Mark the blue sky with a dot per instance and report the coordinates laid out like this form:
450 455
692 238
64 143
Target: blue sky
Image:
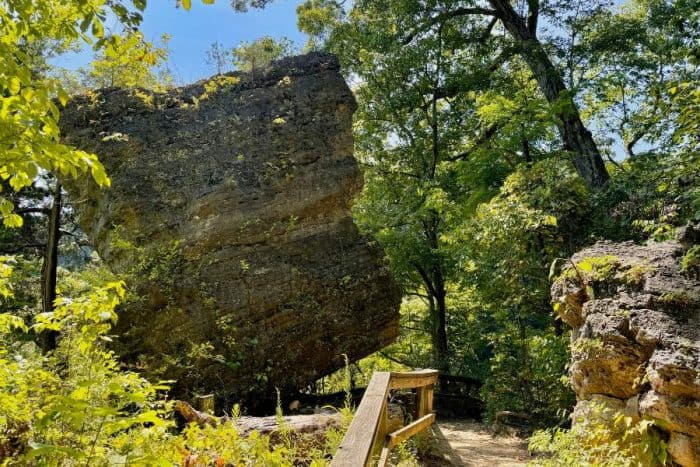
193 31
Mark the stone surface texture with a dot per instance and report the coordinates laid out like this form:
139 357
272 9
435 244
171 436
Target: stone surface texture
636 337
230 209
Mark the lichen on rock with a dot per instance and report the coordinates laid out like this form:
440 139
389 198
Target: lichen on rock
635 314
230 210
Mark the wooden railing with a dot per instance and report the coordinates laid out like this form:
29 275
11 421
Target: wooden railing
368 435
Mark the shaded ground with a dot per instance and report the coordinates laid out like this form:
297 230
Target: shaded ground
468 443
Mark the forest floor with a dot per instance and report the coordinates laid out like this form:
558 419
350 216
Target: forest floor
469 443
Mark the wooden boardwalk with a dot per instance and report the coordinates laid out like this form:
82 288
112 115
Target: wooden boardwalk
369 440
368 435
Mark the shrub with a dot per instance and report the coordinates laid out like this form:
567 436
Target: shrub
76 406
610 439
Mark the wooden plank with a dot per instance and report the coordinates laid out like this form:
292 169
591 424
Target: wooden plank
413 379
399 436
424 401
361 438
384 457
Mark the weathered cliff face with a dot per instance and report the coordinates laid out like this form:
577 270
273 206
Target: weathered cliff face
229 206
635 314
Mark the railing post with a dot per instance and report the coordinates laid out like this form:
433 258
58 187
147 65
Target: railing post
382 432
424 401
368 432
383 422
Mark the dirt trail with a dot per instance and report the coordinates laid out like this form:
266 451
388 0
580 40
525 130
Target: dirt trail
468 443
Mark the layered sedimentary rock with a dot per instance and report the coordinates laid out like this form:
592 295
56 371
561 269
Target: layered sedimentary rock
635 314
229 207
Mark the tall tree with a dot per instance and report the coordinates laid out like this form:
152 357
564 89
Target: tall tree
522 29
626 63
130 61
430 158
478 24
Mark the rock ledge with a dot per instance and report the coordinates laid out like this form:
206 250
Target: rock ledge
636 337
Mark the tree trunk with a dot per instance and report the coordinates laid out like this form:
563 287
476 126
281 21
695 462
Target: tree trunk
437 307
437 290
575 136
48 270
440 332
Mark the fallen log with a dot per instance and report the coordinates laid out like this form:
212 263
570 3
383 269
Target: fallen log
314 423
192 415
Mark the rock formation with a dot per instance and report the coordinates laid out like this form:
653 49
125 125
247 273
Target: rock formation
229 209
635 314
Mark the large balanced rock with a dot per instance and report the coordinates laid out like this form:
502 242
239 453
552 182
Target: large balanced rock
635 314
229 208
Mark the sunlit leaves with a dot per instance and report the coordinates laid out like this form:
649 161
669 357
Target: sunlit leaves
187 4
130 61
29 135
78 402
631 55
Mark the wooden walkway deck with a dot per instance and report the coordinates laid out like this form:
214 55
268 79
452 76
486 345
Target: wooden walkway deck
368 437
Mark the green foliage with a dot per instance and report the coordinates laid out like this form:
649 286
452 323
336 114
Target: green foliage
130 61
648 197
163 267
429 158
86 409
593 268
507 246
89 411
259 53
29 135
317 18
526 375
690 264
358 374
635 62
223 445
534 220
609 439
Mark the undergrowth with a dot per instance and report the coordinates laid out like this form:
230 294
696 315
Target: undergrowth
605 439
75 405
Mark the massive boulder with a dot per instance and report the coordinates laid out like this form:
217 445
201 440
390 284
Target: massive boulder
229 211
635 314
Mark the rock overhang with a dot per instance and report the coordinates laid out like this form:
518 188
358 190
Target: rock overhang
230 208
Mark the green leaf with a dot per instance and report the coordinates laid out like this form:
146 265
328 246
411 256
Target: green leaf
97 29
13 220
550 220
14 85
62 96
